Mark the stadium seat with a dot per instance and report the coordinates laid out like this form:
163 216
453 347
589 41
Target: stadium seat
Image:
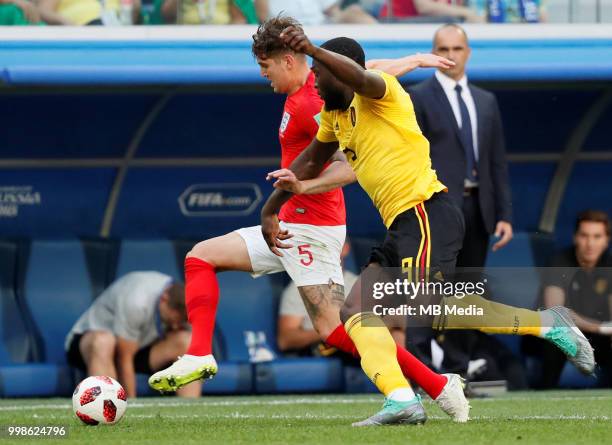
16 373
101 259
233 378
299 375
247 316
246 327
156 255
55 287
246 313
15 340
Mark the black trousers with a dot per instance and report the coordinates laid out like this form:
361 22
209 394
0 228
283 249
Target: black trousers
473 252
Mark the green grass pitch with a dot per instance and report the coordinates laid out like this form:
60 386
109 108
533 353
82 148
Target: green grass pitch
558 417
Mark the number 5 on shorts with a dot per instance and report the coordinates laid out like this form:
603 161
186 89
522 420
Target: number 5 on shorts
303 250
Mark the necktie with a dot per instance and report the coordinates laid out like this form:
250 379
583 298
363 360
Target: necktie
466 136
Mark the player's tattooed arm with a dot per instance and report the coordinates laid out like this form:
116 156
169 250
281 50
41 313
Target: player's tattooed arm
347 71
338 174
403 65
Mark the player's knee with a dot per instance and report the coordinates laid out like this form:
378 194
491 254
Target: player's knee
102 344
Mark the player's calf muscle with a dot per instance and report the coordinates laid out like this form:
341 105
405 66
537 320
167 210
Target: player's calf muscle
323 303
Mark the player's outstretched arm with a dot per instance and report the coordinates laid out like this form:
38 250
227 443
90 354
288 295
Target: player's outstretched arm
338 174
344 69
403 65
307 165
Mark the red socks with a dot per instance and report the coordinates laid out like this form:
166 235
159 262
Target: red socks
201 299
415 370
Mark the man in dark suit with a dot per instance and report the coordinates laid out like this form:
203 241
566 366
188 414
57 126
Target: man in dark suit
463 125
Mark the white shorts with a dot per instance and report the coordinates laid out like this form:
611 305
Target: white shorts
313 259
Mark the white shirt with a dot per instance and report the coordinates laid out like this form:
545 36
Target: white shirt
448 85
307 12
127 308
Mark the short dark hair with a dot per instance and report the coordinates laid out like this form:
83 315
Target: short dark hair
347 47
267 41
593 216
176 298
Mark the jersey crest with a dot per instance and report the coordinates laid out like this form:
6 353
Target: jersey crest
285 122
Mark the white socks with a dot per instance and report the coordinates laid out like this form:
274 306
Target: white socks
402 395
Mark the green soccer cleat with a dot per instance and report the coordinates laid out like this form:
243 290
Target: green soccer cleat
185 370
566 336
397 413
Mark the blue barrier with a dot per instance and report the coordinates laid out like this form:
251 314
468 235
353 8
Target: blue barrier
197 62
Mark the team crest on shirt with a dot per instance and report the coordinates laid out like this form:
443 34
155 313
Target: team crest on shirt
601 285
285 121
353 116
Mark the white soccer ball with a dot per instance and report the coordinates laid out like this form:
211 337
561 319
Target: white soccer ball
99 400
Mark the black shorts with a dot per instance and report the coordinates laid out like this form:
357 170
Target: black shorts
424 240
75 359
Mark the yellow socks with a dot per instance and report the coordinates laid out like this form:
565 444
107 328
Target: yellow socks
378 352
488 316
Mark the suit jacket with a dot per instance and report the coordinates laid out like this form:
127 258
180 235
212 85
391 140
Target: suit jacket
438 124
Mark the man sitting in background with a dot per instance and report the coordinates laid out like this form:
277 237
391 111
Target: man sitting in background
582 281
296 333
136 325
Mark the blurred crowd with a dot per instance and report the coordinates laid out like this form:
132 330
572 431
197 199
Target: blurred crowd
226 12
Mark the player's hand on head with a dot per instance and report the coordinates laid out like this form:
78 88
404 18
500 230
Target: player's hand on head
286 180
295 39
273 234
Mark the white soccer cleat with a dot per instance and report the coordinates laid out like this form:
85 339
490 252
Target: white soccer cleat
187 369
452 399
